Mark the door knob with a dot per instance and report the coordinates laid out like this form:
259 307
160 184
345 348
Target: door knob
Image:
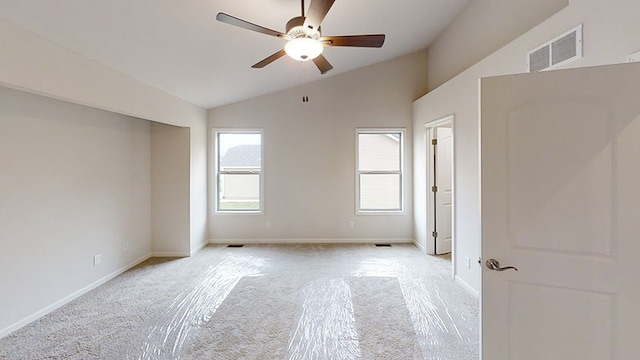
494 264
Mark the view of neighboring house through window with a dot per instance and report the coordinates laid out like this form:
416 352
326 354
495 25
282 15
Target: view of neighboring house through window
380 170
238 171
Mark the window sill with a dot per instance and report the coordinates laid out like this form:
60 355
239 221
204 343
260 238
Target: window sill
238 212
381 212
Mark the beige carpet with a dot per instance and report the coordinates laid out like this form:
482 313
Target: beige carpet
266 302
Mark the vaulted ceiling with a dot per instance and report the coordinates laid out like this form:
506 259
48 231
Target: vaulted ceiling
179 47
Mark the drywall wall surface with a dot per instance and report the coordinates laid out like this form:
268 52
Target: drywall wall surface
170 223
309 155
609 36
481 28
37 65
34 64
74 183
179 188
198 185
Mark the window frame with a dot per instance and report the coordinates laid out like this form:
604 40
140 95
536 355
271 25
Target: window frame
215 133
401 172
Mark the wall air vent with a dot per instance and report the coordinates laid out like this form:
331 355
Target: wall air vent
559 51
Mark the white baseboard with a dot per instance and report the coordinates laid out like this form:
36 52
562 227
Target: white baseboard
170 254
420 247
40 313
199 247
312 241
468 287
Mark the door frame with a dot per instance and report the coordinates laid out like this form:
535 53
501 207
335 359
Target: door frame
429 128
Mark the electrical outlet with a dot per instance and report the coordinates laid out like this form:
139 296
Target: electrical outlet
125 247
97 260
467 262
352 224
267 224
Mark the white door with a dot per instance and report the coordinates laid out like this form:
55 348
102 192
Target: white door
560 160
444 193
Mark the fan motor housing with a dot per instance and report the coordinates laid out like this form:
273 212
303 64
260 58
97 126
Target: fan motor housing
295 29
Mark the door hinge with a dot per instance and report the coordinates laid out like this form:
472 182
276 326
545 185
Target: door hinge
434 141
434 234
434 188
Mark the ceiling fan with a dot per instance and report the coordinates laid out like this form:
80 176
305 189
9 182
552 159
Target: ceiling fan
304 39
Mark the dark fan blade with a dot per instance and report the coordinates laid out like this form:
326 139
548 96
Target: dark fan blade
317 11
269 60
231 20
322 64
354 40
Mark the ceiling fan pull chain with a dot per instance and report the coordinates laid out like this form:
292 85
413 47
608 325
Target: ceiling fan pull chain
305 85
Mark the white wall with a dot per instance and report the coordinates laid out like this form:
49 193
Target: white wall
34 64
170 224
309 155
481 28
198 189
38 66
74 182
610 34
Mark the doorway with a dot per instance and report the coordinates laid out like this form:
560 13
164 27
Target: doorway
440 209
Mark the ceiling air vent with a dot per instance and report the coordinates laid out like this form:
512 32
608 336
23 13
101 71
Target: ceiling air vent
560 50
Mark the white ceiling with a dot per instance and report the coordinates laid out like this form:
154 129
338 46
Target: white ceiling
179 47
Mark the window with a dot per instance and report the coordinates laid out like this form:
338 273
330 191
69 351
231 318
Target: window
238 170
380 166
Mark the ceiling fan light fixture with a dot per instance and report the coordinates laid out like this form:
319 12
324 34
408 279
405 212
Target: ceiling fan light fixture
304 37
303 49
